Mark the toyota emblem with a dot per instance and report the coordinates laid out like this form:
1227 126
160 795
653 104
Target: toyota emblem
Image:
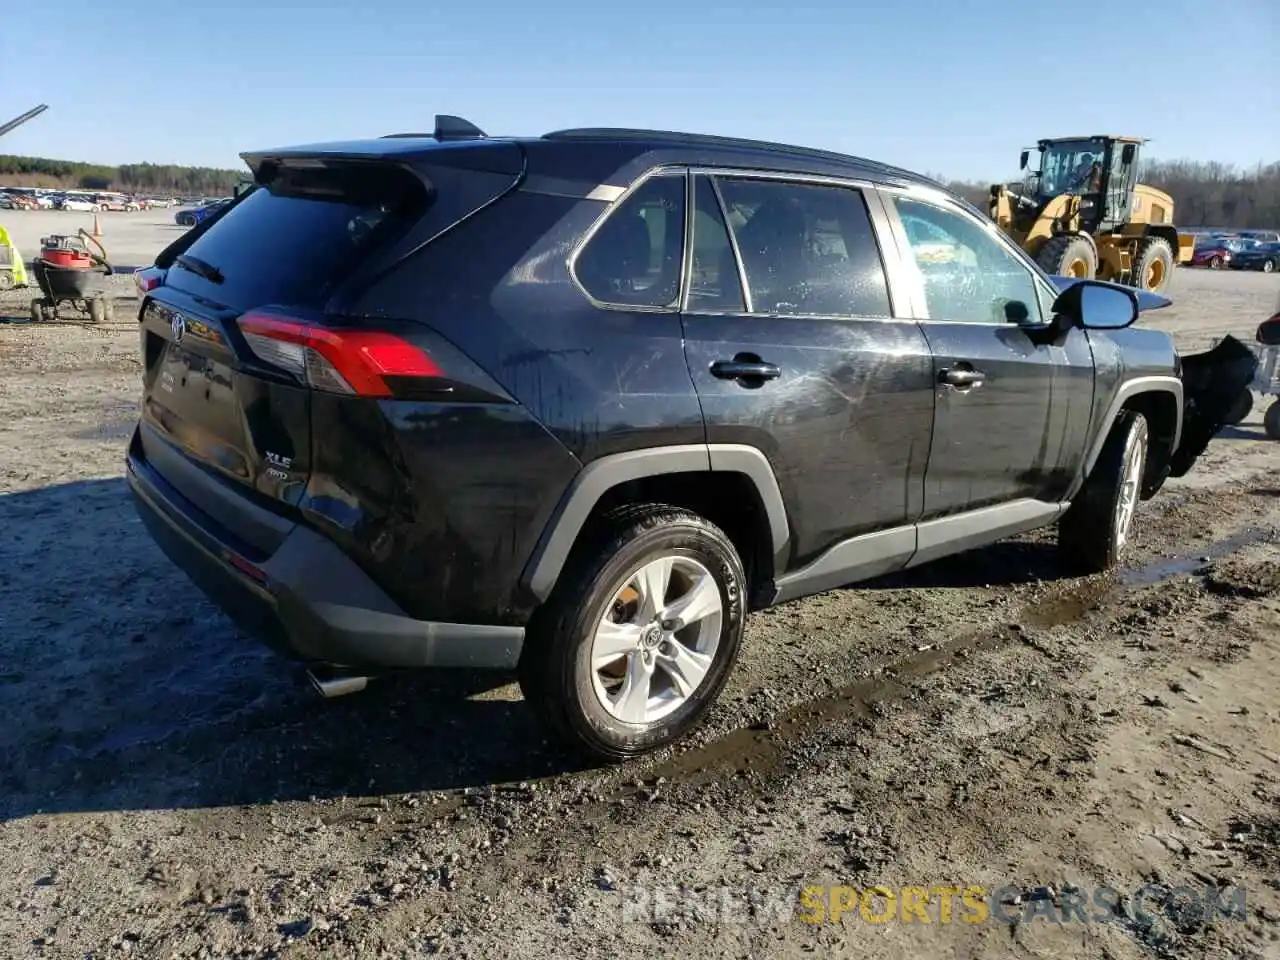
178 326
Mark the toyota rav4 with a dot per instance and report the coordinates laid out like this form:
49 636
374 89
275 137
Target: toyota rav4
576 404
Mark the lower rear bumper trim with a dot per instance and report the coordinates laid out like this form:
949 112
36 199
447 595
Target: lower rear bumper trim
316 604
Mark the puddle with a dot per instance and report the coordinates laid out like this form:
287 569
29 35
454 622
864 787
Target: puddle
1204 557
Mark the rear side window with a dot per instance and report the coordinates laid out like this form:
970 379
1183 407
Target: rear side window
293 241
635 256
807 250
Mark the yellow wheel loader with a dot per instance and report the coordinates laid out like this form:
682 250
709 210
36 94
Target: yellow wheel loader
1082 213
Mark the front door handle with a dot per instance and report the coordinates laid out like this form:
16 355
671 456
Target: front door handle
737 369
963 377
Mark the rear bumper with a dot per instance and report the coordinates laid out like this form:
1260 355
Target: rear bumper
307 600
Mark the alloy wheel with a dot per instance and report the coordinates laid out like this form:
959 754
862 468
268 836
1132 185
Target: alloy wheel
1135 458
657 640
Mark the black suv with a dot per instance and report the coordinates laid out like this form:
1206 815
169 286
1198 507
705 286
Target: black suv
578 403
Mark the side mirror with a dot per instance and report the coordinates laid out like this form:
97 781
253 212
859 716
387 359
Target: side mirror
1022 162
1127 153
1095 305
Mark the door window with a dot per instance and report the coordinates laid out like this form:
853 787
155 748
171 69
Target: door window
634 258
807 250
714 284
968 275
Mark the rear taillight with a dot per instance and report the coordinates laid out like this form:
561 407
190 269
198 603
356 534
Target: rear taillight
359 362
148 279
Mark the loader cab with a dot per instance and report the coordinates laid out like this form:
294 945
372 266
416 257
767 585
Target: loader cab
1100 170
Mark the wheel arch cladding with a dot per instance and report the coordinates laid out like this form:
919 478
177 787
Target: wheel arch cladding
700 477
1161 394
1161 409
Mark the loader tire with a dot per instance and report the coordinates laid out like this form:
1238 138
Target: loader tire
1069 255
1152 265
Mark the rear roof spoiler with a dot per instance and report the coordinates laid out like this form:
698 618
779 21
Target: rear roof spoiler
447 128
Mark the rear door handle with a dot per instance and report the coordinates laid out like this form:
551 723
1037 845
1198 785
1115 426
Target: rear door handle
745 370
963 377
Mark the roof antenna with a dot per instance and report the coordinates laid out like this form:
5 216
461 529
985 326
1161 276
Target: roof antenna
456 128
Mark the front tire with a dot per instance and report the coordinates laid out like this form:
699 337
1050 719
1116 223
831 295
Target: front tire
1093 533
640 634
1215 262
1240 409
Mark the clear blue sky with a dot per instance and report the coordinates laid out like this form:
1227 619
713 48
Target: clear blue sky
950 88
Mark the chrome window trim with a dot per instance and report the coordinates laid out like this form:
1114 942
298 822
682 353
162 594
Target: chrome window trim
571 262
942 200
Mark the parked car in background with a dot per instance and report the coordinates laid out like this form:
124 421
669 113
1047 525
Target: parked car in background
1263 236
1257 256
121 204
78 203
1211 252
190 217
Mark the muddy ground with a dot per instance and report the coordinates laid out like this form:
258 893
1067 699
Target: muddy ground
168 789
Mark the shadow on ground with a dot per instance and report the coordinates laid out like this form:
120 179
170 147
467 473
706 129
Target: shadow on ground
122 688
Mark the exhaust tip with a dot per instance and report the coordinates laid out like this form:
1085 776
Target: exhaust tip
338 685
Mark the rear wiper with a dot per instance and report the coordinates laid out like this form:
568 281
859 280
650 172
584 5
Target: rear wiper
200 268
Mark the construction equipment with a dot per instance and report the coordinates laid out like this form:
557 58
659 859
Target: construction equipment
1081 213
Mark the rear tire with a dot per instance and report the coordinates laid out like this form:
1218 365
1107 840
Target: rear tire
1152 265
1240 409
1069 255
607 604
97 311
1093 533
1271 421
1268 266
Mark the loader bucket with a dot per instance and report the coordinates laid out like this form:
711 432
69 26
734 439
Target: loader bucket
1212 383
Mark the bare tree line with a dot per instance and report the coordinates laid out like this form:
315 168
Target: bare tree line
1205 193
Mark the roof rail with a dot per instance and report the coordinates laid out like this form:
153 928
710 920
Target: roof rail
447 128
629 133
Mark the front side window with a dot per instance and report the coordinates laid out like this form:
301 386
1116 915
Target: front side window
807 250
635 257
968 275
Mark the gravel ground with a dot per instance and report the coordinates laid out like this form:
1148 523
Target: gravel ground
167 789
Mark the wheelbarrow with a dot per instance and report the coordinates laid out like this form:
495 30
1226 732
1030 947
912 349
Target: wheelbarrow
69 272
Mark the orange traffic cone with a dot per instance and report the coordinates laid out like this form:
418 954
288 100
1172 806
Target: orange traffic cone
97 230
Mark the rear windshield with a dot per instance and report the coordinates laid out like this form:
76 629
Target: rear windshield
293 240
